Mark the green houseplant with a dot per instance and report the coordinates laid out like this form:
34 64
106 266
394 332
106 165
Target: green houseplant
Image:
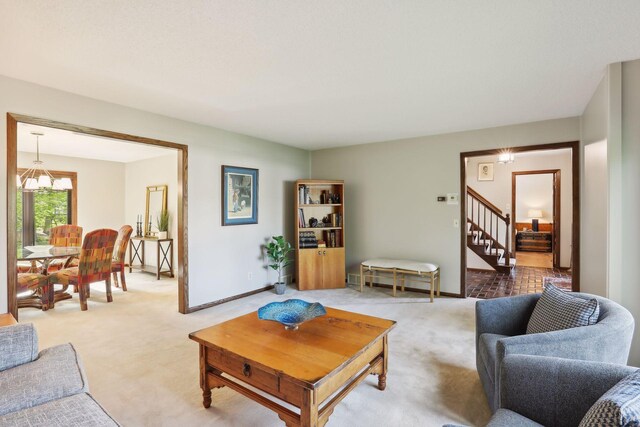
278 251
163 224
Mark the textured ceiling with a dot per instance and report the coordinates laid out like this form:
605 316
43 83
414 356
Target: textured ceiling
325 73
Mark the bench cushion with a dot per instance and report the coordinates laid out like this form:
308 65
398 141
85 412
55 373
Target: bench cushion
401 264
74 411
56 373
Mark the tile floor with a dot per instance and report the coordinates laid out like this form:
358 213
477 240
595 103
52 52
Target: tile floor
523 280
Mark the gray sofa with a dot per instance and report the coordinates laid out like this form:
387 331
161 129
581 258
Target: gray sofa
501 324
48 388
550 391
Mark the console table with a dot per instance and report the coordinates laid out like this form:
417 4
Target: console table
534 241
164 256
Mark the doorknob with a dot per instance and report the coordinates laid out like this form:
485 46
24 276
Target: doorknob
319 253
324 252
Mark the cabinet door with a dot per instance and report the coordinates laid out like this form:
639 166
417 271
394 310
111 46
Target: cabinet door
310 269
333 267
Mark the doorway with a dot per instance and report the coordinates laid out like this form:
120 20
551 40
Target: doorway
536 207
12 144
495 279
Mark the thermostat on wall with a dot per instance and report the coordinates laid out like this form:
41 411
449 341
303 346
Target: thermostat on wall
452 198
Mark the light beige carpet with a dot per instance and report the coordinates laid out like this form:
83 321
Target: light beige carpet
144 370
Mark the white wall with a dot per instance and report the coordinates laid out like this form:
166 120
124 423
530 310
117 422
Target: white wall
100 188
391 190
534 192
611 138
219 257
594 129
630 249
498 192
156 171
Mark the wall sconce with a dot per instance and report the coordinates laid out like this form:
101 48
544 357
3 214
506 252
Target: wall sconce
534 214
506 157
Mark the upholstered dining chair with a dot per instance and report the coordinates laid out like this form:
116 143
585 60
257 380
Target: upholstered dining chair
94 265
62 236
41 292
118 263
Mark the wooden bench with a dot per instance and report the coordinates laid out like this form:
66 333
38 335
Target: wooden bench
422 272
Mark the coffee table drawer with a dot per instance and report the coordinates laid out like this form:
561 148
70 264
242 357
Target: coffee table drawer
243 370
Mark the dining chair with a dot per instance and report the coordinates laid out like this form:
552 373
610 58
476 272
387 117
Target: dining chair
41 291
118 263
94 265
62 236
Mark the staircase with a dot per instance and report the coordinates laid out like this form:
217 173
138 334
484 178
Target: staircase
485 225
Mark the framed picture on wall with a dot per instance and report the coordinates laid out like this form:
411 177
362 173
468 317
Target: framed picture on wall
485 171
239 195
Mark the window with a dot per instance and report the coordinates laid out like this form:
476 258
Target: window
39 211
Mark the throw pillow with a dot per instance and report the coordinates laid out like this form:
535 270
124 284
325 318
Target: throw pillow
556 310
620 406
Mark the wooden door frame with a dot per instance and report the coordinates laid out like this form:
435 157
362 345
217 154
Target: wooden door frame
12 158
555 173
574 146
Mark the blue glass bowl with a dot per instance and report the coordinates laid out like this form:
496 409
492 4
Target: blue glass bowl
292 312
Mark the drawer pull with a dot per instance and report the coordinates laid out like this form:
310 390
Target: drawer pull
246 370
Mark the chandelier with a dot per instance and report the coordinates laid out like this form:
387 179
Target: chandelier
38 177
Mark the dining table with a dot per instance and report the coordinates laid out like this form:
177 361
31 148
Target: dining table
40 258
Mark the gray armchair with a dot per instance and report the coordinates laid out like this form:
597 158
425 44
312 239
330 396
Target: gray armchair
550 391
43 388
501 324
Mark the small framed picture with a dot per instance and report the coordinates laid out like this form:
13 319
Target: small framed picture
239 195
485 171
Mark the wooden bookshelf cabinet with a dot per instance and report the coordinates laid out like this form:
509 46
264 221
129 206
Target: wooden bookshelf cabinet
319 267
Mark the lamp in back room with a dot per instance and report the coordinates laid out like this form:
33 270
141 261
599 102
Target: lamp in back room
534 214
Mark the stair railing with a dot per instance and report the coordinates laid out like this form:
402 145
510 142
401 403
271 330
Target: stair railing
481 212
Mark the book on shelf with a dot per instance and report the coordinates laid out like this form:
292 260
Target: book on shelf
322 244
307 239
301 221
301 195
333 238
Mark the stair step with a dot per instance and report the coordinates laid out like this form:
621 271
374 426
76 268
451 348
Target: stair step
512 262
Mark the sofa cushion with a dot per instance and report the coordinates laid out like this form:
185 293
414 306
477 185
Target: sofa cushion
488 352
619 406
56 373
556 310
19 344
507 418
77 410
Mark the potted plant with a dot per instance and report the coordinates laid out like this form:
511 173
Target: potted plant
278 252
163 224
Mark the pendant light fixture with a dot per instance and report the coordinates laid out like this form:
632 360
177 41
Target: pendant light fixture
38 177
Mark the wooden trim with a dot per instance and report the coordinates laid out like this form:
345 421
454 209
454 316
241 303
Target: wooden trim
231 298
574 146
463 226
12 256
96 132
12 144
555 173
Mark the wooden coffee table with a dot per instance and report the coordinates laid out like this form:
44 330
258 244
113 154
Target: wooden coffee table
328 354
